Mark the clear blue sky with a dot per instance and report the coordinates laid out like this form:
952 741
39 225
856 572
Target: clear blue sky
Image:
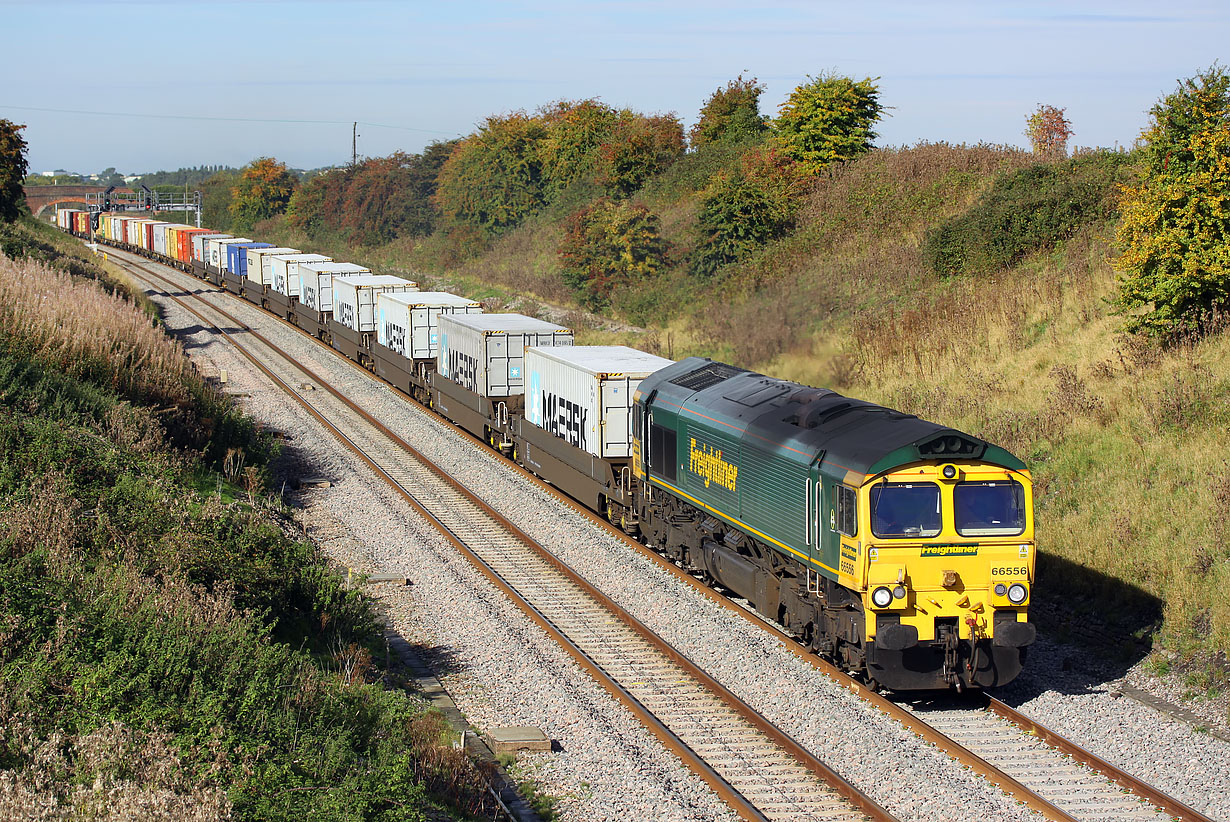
963 72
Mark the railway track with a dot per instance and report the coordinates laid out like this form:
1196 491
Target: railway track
753 766
1040 768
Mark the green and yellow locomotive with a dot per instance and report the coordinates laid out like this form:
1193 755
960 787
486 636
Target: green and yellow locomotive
899 548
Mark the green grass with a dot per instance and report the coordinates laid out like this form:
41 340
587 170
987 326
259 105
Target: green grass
160 637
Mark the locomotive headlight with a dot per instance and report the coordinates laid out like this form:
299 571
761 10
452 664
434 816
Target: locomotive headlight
1000 589
950 471
1017 593
881 597
899 592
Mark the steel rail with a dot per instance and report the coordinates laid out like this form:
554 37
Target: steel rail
728 793
1167 803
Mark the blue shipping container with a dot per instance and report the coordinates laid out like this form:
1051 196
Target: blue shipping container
237 257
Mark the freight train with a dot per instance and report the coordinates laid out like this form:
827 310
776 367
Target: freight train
901 549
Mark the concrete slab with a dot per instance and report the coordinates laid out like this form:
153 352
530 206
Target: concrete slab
517 738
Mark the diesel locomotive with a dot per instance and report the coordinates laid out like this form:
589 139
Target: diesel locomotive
901 549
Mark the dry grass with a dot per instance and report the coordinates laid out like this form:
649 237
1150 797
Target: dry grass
113 773
78 329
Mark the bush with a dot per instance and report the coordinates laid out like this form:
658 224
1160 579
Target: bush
1029 210
574 133
608 246
493 180
1175 264
732 114
639 148
745 207
827 120
373 202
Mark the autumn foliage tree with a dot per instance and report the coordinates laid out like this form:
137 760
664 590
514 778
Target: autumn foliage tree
375 201
745 207
264 190
575 131
1175 262
12 170
494 179
828 119
640 146
1048 131
609 245
731 113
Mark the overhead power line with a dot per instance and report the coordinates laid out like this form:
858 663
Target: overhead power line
220 119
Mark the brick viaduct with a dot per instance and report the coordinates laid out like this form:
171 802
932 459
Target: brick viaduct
40 198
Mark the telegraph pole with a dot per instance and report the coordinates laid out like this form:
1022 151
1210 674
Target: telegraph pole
354 145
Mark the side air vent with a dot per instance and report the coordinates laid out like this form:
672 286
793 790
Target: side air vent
710 375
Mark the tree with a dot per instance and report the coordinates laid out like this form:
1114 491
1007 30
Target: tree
12 170
264 190
828 119
493 179
216 199
1175 262
731 113
610 245
639 148
1048 131
746 207
574 133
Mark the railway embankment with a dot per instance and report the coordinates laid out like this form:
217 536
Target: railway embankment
166 650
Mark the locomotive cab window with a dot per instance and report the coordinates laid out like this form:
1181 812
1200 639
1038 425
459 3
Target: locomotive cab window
847 511
905 509
989 509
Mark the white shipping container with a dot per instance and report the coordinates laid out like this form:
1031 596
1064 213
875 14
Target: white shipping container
258 268
486 352
354 298
285 271
217 251
316 282
409 323
160 237
147 239
200 245
583 394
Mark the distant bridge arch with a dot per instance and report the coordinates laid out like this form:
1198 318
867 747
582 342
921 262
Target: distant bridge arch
41 198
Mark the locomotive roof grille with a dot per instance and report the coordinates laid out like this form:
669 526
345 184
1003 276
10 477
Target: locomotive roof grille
710 375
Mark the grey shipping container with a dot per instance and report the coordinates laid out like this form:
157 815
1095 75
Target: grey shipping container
583 394
408 323
285 271
257 269
485 353
316 282
200 245
354 298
